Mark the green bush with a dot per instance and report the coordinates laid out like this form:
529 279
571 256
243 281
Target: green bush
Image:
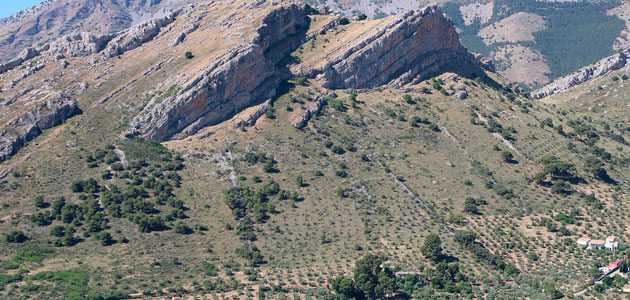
15 236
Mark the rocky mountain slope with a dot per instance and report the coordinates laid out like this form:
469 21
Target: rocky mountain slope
599 69
528 41
249 149
52 19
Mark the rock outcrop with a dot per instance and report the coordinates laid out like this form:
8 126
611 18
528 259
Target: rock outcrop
242 77
137 35
26 127
252 118
311 111
410 48
52 19
601 68
32 70
25 55
413 46
79 44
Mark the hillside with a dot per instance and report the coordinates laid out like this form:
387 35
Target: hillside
251 150
530 42
53 19
534 42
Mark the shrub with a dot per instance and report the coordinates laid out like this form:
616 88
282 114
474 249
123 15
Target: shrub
39 202
15 236
301 80
182 228
58 231
105 238
189 55
209 269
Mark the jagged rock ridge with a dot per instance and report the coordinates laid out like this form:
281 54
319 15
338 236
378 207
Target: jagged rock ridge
234 81
86 44
414 45
410 48
52 19
26 127
601 68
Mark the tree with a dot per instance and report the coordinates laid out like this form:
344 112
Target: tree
105 238
58 231
361 17
366 273
471 208
465 237
596 167
561 187
507 156
432 248
39 202
540 178
551 291
182 228
270 166
619 281
15 236
344 285
189 55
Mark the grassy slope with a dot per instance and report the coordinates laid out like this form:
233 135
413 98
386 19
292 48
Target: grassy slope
377 216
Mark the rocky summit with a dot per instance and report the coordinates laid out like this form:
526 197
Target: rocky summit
255 149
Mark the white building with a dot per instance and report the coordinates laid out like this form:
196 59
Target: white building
611 243
583 241
596 244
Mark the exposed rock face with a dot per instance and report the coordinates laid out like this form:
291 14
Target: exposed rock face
311 111
79 44
410 48
236 80
26 74
414 46
251 119
23 129
135 36
601 68
182 36
25 55
53 19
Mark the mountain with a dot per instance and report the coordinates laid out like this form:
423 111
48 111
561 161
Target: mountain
530 42
53 19
250 149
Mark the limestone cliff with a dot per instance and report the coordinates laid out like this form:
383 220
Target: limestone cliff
26 127
413 46
243 76
409 47
601 68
